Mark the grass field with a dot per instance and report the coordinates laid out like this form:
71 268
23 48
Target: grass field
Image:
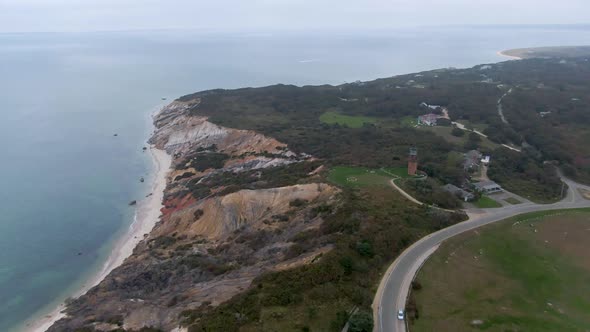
484 202
409 121
361 176
528 273
357 176
346 120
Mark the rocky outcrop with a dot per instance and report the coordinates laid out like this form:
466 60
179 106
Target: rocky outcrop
178 133
208 248
220 216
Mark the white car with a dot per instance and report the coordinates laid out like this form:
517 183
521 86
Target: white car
400 315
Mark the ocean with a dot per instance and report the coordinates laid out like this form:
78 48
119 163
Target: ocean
67 179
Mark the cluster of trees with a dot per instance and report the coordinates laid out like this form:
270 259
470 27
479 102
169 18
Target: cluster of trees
526 175
429 191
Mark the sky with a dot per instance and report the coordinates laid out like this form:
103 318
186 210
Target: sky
256 15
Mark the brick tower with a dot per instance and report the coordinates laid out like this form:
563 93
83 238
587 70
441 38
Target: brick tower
413 161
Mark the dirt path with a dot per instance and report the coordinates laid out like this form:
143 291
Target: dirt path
408 196
500 111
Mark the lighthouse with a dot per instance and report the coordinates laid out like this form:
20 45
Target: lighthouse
413 161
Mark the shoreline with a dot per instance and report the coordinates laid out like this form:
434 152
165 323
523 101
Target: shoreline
147 214
513 57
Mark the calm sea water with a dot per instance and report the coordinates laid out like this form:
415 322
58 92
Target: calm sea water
66 180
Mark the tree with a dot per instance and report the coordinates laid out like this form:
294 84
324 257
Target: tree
457 132
364 248
361 321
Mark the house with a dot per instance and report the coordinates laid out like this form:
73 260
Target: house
485 160
463 194
471 161
428 119
487 187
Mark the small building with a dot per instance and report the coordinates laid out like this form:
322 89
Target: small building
428 119
472 159
487 187
485 160
462 194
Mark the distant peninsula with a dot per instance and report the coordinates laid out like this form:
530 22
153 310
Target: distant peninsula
547 52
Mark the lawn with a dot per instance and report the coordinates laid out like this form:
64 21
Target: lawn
527 273
512 200
357 176
346 120
484 202
409 121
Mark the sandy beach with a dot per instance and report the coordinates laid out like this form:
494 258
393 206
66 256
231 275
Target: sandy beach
146 216
501 53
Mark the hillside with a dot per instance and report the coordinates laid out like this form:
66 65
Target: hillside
254 234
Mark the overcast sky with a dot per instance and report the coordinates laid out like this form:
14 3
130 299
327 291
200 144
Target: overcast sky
233 15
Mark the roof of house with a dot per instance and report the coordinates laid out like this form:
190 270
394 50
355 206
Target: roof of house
429 115
486 185
454 190
473 154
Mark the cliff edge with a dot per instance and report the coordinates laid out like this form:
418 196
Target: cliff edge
234 203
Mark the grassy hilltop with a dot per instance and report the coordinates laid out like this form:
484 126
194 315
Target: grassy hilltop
528 273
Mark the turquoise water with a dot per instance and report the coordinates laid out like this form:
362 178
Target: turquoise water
66 180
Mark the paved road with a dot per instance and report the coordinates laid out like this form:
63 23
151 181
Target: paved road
393 290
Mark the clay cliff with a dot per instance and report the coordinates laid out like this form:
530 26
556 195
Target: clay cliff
234 203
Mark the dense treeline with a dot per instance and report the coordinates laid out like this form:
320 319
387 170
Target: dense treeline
521 173
291 114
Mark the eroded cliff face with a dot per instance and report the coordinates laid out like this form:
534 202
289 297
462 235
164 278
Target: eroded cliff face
234 204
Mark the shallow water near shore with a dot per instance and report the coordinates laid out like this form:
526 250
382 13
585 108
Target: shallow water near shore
67 180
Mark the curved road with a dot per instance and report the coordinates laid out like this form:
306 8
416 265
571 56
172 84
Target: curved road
394 287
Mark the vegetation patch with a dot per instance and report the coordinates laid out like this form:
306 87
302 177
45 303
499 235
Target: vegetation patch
484 202
527 273
346 120
513 201
369 229
526 175
429 191
409 121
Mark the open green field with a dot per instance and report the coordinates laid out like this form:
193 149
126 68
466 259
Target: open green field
409 121
357 176
484 202
527 273
346 120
